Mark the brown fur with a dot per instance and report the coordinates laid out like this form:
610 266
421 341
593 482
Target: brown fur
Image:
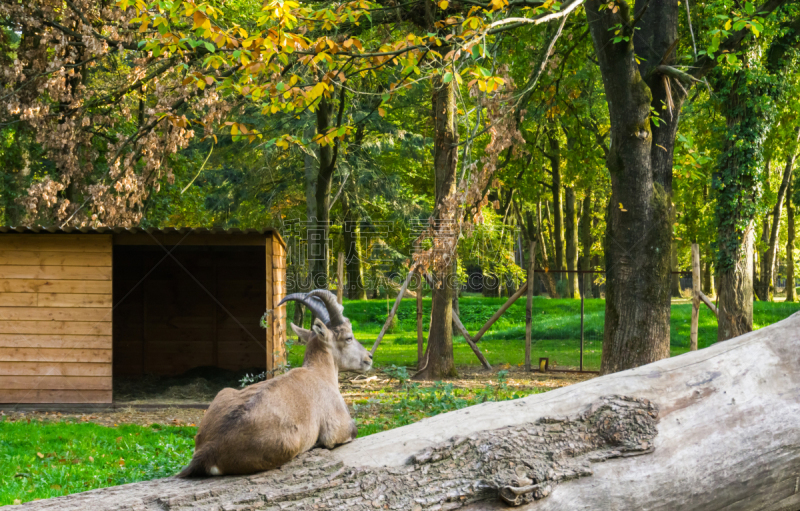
264 425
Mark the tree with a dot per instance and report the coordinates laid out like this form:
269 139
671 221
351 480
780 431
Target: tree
439 353
636 53
791 294
749 95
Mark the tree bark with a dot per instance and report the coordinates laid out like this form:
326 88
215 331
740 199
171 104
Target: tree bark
737 179
791 294
586 241
546 277
675 278
303 267
439 354
760 284
350 234
735 292
709 430
708 277
318 229
772 249
638 232
558 216
573 287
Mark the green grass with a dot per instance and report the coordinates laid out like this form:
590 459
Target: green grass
556 329
391 408
40 460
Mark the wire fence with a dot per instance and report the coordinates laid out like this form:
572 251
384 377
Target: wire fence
567 326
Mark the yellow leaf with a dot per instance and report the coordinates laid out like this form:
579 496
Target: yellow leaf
728 25
198 18
40 455
443 4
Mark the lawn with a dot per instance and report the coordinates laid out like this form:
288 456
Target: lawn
555 331
48 459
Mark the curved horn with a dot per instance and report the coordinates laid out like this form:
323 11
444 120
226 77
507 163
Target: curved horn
334 309
314 304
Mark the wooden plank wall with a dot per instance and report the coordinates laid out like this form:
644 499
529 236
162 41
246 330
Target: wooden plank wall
55 318
276 262
202 310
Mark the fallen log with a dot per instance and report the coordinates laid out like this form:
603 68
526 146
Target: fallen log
712 429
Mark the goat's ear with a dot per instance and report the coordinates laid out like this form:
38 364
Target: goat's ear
320 329
303 334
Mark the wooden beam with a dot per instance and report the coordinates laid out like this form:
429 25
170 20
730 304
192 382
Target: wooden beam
393 311
463 331
521 291
706 300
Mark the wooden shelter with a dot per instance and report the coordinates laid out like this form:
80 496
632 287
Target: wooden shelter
80 306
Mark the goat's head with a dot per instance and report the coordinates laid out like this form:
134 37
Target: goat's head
332 330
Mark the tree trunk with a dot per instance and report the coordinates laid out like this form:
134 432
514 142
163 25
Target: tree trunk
772 249
675 278
573 288
350 234
546 277
739 174
791 295
638 228
303 267
439 355
318 234
586 241
760 284
708 278
558 219
737 179
709 430
735 292
551 265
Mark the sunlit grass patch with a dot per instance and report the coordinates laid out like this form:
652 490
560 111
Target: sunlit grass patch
40 460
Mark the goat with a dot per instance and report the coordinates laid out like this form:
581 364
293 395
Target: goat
266 424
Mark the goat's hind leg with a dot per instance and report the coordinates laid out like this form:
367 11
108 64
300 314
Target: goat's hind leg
338 433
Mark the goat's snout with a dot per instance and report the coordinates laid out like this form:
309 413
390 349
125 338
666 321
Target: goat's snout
367 362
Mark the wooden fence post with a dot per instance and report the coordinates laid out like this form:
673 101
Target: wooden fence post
420 340
340 276
695 296
529 306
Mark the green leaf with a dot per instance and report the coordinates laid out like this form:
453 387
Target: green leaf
448 77
209 46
